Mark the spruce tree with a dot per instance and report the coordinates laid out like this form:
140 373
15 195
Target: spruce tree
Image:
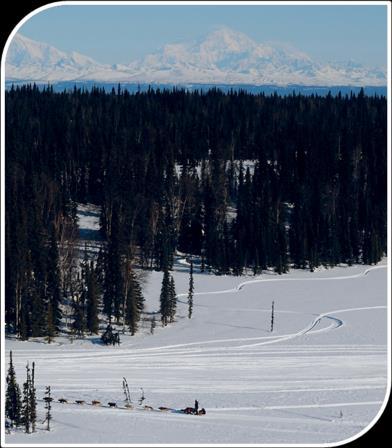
24 321
33 400
53 289
134 303
26 402
100 266
50 328
281 265
172 299
92 301
13 404
190 292
36 317
165 298
79 311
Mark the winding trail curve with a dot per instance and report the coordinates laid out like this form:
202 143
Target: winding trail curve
264 340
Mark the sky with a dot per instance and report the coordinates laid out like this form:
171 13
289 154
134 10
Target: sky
119 34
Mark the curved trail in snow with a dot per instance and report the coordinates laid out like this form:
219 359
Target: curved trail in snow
241 285
335 322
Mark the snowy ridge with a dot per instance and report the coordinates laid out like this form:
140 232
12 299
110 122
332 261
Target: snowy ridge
224 56
30 60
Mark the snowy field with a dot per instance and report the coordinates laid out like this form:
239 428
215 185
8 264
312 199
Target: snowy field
319 377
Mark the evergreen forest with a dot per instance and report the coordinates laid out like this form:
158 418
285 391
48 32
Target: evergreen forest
243 182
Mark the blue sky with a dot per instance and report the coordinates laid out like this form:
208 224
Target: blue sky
119 34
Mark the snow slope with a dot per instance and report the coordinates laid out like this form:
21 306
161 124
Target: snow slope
321 376
223 56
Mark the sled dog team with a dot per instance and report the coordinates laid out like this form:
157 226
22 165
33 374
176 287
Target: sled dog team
188 410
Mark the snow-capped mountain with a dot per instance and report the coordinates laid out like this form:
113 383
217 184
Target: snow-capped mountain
29 60
222 57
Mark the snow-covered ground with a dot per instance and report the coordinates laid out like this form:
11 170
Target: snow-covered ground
320 376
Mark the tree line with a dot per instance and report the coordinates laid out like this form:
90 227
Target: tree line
240 181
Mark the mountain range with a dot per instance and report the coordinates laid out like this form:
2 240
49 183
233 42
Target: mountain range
224 56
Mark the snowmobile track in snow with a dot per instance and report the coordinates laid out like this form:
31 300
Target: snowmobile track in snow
278 338
241 285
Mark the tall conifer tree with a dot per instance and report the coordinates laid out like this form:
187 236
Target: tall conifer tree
13 404
92 322
172 299
165 298
26 402
134 303
53 289
190 291
33 399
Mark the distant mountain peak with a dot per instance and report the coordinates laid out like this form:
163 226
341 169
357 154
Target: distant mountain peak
223 56
228 39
